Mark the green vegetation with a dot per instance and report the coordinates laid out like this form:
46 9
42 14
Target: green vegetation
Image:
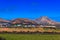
31 36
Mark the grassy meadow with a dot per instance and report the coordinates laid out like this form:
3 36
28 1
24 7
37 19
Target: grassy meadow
31 36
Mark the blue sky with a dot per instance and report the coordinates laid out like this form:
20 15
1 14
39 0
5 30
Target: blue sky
10 9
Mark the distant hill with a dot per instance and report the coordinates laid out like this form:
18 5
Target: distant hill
23 21
3 20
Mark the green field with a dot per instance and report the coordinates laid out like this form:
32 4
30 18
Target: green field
31 36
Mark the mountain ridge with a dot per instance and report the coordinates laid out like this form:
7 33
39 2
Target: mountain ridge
41 20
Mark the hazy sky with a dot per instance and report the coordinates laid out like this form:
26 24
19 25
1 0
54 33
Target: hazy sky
10 9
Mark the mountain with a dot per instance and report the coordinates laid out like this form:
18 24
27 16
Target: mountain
46 21
3 20
22 21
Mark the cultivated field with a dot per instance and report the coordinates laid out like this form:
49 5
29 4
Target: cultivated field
31 36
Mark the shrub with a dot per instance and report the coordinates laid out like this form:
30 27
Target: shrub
2 38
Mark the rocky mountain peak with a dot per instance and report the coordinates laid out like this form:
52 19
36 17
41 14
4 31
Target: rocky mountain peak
45 20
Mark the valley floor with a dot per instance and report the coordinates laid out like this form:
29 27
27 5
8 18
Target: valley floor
31 36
